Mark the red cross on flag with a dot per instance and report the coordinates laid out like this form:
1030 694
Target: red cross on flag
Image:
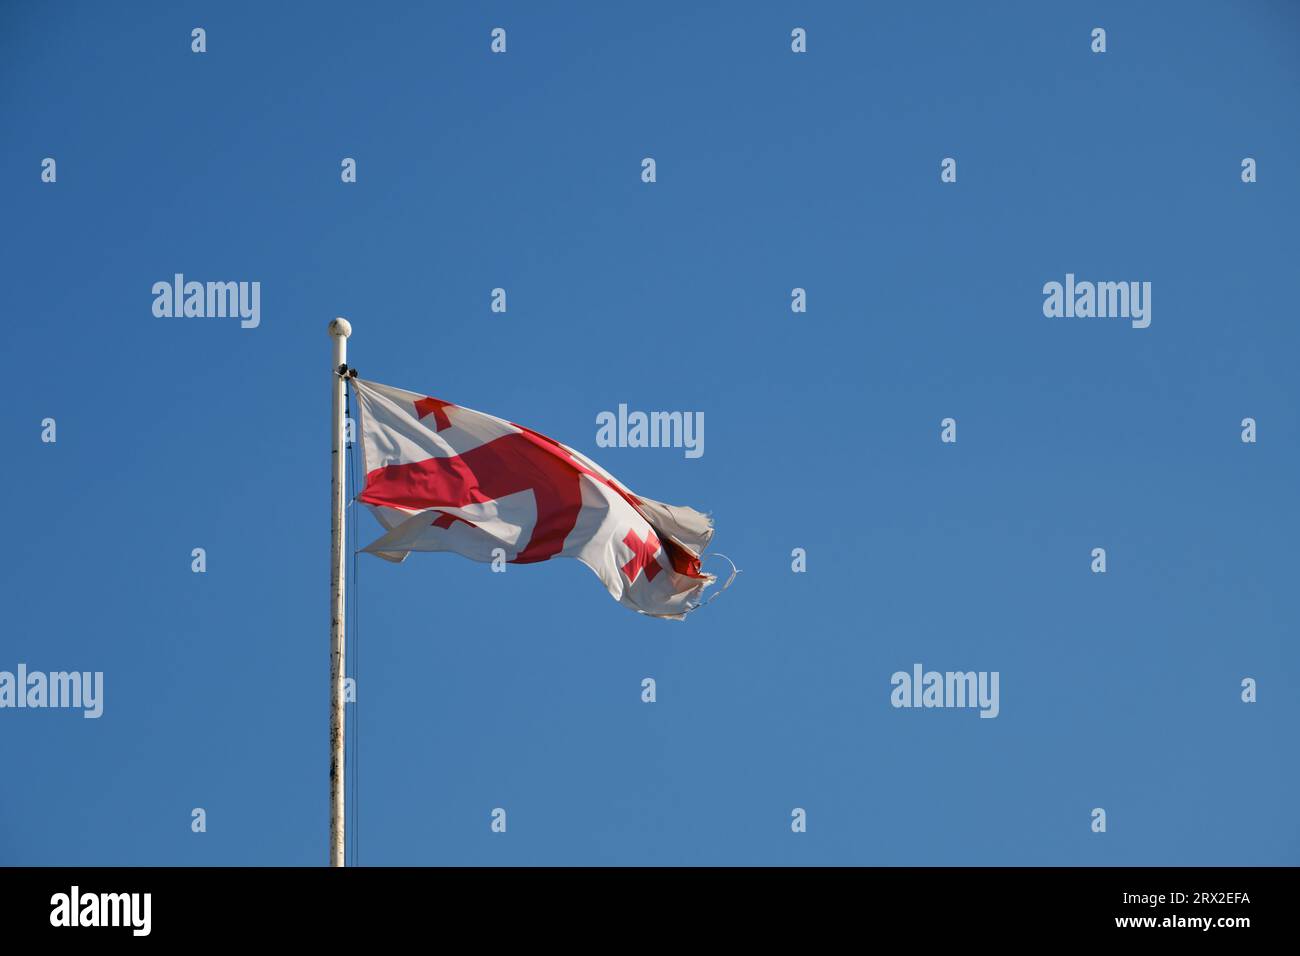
440 477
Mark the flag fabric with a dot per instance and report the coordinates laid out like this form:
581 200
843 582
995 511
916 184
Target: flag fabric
440 477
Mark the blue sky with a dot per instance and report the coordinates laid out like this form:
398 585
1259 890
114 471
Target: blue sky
775 170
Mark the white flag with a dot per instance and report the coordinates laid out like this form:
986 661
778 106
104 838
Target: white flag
441 477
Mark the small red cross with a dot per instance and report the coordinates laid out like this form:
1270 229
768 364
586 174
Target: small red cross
435 407
643 556
445 520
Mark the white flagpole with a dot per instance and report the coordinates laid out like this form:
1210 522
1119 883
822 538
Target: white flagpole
340 329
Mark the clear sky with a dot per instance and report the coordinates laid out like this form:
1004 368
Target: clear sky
775 170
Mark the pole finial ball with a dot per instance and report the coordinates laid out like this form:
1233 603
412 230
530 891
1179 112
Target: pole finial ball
340 328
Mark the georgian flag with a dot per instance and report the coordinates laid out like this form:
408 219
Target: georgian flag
440 477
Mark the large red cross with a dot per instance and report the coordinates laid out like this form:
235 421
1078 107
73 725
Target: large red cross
525 461
504 466
643 556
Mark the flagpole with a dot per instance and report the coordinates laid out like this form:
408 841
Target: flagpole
339 329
